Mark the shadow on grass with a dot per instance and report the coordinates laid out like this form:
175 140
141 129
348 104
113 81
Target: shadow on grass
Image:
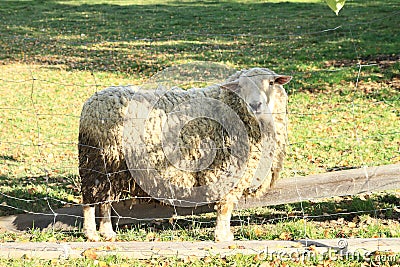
141 39
9 158
38 202
381 205
34 194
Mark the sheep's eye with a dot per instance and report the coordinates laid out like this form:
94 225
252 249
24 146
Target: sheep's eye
271 83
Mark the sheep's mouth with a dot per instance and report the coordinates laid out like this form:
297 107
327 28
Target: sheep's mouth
255 111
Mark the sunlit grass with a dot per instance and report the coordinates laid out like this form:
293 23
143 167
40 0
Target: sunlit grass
56 54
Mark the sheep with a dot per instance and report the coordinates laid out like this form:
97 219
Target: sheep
119 158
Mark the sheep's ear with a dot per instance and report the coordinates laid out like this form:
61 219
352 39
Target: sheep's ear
282 79
233 86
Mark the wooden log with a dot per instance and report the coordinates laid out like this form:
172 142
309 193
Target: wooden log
331 184
147 250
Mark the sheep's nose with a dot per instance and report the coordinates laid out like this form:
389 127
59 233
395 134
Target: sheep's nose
256 106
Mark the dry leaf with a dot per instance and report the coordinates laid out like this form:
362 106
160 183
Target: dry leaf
102 264
207 259
90 253
190 259
312 248
352 224
326 233
26 257
258 257
297 245
285 236
258 231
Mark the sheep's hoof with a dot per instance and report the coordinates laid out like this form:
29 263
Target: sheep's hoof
226 237
92 236
109 236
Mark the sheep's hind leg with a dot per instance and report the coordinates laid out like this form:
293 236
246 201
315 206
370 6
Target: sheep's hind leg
106 229
89 223
223 227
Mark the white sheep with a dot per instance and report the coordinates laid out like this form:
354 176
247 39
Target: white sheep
208 160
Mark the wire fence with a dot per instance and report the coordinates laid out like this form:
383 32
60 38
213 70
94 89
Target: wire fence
343 111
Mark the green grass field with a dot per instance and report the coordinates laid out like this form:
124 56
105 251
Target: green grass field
343 100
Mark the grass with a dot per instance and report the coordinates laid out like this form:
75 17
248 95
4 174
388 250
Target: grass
55 54
237 260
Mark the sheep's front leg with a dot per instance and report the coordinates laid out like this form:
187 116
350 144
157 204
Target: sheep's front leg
223 227
105 228
89 223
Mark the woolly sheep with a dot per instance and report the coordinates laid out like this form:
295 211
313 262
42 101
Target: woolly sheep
110 169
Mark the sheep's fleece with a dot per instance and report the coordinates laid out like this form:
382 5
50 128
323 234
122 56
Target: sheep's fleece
182 147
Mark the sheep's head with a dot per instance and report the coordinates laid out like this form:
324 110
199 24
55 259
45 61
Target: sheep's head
255 87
